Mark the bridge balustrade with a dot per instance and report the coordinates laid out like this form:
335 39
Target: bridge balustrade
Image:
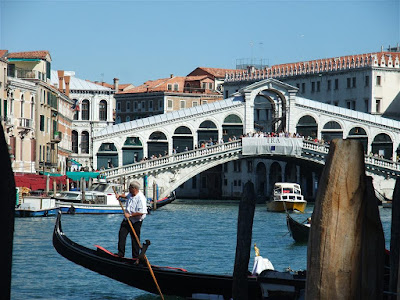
310 150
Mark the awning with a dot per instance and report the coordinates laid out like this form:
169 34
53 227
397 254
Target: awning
78 175
74 162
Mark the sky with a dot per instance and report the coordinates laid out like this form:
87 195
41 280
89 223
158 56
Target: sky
137 41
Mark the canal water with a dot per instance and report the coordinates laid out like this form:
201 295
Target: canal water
196 235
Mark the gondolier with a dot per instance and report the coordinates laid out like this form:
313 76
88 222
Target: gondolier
136 211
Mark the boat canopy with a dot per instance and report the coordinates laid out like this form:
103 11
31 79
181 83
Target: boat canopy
78 175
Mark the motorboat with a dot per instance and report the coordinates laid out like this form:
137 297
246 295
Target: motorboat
100 199
32 206
286 197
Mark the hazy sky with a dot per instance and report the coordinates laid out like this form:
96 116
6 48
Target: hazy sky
137 41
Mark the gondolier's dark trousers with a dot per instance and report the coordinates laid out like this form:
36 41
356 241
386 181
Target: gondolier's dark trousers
123 232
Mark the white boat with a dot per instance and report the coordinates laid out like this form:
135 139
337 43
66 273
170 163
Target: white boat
286 197
32 206
100 199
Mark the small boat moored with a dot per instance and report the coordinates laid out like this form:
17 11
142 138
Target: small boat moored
32 206
286 197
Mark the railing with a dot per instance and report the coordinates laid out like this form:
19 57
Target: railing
173 160
26 123
311 151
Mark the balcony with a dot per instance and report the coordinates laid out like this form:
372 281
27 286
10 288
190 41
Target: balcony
56 138
25 74
25 123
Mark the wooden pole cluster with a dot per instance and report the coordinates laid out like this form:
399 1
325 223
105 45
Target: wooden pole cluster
243 245
345 257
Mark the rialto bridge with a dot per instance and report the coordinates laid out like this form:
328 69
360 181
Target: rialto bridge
172 148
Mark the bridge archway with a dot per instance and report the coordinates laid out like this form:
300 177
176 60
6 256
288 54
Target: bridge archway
132 150
382 145
207 132
261 179
359 133
307 126
331 130
270 111
157 144
107 156
232 126
182 139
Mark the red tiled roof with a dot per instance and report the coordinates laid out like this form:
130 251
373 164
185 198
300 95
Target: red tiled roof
3 53
216 72
29 54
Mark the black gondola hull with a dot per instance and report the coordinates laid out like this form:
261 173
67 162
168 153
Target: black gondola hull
298 231
172 281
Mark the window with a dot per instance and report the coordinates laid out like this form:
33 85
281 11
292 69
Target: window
336 103
170 104
366 105
329 85
318 86
226 94
182 104
378 80
336 84
169 87
203 85
143 106
128 106
41 122
237 166
348 83
377 105
85 142
85 110
313 86
118 106
151 105
210 86
160 104
205 101
22 106
74 141
298 85
303 87
176 87
195 103
354 82
367 80
135 105
103 110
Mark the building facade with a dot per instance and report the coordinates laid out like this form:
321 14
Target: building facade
92 108
366 82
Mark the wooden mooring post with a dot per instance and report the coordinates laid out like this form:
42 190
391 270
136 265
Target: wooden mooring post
243 244
394 286
345 256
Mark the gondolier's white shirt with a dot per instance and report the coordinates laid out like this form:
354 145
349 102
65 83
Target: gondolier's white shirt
136 203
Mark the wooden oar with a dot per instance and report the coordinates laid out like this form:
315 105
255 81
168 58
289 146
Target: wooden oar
140 245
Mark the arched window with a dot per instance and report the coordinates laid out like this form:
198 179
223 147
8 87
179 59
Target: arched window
103 110
74 141
85 142
85 109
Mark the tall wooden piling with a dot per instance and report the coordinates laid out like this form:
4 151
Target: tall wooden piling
243 244
345 231
7 186
395 240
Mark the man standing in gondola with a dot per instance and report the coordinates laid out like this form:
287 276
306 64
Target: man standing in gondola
135 211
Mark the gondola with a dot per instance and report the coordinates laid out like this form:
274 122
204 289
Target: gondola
298 231
174 281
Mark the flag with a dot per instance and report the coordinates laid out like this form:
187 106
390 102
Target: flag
75 106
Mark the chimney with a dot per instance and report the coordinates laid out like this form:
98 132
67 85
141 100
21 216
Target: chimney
67 79
116 81
171 75
60 80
